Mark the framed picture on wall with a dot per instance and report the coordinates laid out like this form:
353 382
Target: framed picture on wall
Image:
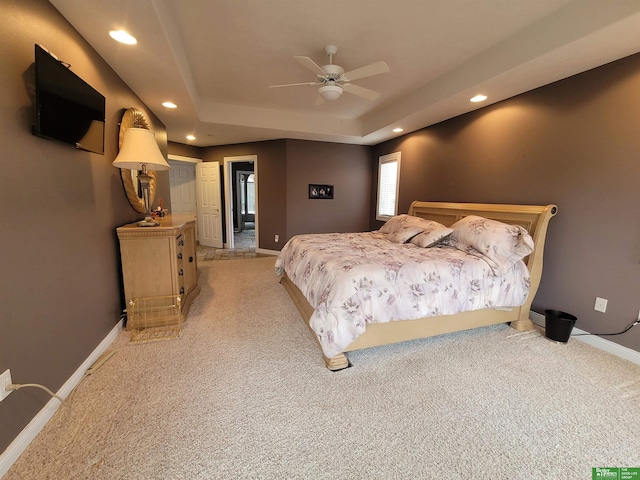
320 191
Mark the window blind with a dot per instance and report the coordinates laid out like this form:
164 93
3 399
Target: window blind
388 188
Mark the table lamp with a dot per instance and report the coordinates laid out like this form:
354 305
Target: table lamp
140 151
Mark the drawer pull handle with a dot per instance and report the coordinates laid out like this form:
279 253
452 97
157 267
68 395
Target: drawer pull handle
190 259
182 291
181 272
180 256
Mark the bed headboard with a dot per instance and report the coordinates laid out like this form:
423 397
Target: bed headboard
534 218
531 217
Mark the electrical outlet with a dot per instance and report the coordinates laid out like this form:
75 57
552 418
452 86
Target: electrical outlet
5 379
276 238
601 304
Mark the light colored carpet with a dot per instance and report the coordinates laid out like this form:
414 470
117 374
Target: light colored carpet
244 394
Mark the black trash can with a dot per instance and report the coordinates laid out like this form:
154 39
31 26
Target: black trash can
558 325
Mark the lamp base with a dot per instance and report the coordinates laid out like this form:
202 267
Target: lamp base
145 180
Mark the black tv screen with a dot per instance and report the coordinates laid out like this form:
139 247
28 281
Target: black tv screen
67 108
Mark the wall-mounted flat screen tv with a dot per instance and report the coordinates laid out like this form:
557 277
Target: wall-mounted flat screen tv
68 109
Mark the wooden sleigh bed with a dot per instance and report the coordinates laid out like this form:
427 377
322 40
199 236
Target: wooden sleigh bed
534 219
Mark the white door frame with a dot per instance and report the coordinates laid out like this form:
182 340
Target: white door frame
228 199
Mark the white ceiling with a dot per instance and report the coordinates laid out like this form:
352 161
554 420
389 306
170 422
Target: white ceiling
217 58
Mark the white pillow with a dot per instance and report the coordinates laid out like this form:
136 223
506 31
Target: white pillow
501 245
422 232
404 233
432 234
394 223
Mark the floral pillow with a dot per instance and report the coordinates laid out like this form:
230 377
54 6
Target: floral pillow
394 223
404 233
402 228
432 233
500 244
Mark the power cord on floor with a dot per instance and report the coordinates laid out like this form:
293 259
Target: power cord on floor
609 334
18 386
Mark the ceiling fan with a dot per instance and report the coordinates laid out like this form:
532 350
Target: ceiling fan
333 80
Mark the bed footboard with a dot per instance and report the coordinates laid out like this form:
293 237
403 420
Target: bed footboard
399 331
340 361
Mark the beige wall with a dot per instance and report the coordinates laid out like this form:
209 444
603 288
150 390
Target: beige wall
60 292
575 143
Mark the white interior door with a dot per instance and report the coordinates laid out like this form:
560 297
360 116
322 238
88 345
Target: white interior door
208 193
182 177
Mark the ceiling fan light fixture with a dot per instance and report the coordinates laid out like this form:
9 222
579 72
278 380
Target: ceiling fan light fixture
331 78
330 92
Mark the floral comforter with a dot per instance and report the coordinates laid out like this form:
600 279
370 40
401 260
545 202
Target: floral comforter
352 279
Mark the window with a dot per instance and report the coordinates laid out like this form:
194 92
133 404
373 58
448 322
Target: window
388 179
251 194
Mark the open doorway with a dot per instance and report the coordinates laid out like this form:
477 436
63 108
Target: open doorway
241 201
244 227
245 200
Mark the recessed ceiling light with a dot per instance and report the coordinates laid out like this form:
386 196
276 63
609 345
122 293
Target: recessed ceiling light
478 98
169 105
123 37
191 137
397 130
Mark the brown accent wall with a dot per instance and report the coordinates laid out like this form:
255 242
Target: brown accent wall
347 168
183 150
60 291
285 169
272 178
574 143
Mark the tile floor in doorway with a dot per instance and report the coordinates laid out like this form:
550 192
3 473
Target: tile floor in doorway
245 247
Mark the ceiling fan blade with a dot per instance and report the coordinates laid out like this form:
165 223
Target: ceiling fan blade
311 65
368 71
295 84
360 91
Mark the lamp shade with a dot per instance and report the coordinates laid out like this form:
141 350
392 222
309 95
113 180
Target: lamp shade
139 147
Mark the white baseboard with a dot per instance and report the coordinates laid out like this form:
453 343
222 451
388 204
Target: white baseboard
268 252
595 341
24 438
